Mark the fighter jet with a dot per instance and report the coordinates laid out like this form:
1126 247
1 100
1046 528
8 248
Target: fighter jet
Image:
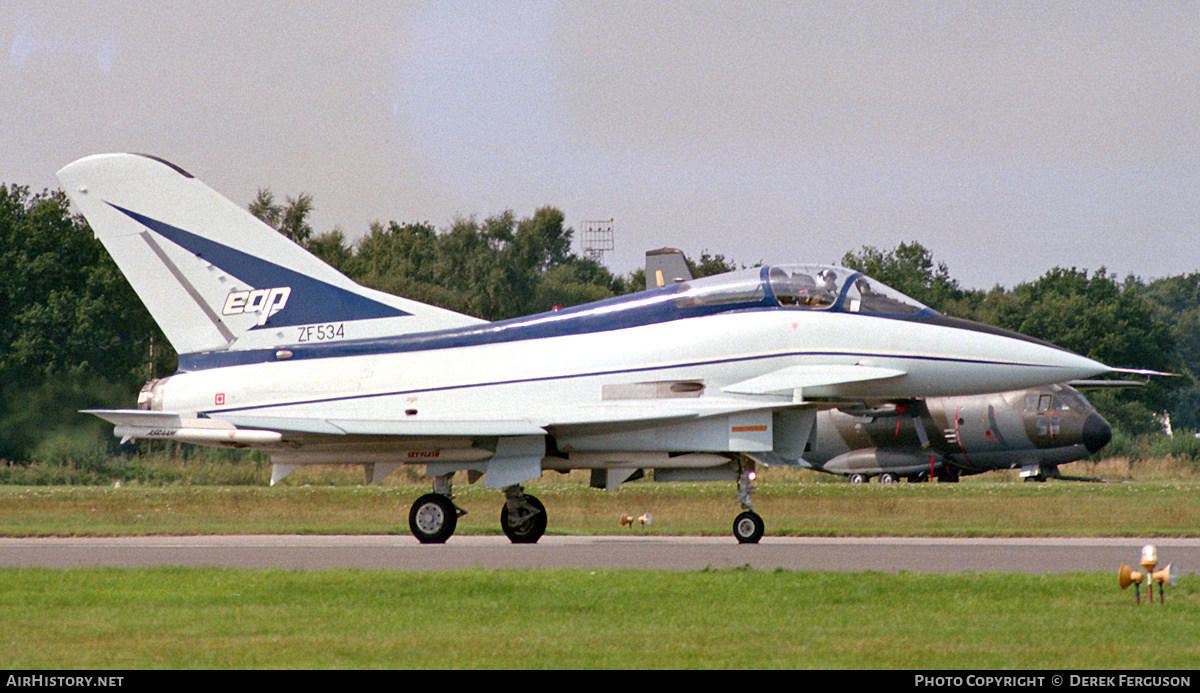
280 352
1033 430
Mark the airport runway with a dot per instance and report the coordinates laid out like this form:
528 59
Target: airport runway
887 554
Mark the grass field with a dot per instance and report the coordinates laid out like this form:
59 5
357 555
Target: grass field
567 619
177 618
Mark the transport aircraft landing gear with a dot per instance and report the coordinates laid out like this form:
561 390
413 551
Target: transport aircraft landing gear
748 528
1038 474
523 517
434 517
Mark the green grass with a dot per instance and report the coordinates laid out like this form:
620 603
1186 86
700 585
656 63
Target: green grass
206 618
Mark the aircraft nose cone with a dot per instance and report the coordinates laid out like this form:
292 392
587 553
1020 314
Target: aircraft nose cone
1096 432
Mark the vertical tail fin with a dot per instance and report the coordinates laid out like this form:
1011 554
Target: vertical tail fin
666 266
213 276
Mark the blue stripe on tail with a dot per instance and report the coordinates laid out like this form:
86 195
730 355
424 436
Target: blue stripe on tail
309 302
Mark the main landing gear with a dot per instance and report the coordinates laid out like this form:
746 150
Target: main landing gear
523 517
434 517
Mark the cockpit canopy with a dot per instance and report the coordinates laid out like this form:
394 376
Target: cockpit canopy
806 287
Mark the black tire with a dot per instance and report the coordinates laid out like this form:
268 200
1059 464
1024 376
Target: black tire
857 478
888 478
432 519
748 528
530 529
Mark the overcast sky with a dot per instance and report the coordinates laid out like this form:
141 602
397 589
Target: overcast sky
1007 137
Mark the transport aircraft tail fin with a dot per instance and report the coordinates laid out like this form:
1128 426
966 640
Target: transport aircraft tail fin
666 266
215 277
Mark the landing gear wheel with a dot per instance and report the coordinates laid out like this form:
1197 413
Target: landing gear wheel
748 527
432 519
529 525
888 478
858 478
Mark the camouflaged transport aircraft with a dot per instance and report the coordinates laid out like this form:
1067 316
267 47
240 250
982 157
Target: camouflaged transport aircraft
1033 430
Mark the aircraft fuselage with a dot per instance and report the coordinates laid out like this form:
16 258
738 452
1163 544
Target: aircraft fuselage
539 369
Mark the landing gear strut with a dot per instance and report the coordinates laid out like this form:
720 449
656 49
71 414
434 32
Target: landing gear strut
434 517
523 517
748 528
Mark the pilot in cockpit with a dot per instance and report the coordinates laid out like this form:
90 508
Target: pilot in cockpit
823 292
801 289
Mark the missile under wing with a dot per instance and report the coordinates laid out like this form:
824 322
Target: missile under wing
280 352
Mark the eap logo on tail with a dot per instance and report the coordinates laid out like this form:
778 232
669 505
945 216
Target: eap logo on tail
265 302
214 276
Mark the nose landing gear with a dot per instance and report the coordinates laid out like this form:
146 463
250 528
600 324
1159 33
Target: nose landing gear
748 527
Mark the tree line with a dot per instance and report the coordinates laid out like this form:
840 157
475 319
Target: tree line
73 335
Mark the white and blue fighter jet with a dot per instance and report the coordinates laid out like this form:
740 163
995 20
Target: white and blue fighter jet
694 379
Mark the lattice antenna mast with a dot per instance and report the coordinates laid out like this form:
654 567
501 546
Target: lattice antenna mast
597 239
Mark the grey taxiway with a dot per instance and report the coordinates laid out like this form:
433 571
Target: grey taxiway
629 551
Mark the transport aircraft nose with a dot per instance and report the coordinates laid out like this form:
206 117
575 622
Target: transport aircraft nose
1096 432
